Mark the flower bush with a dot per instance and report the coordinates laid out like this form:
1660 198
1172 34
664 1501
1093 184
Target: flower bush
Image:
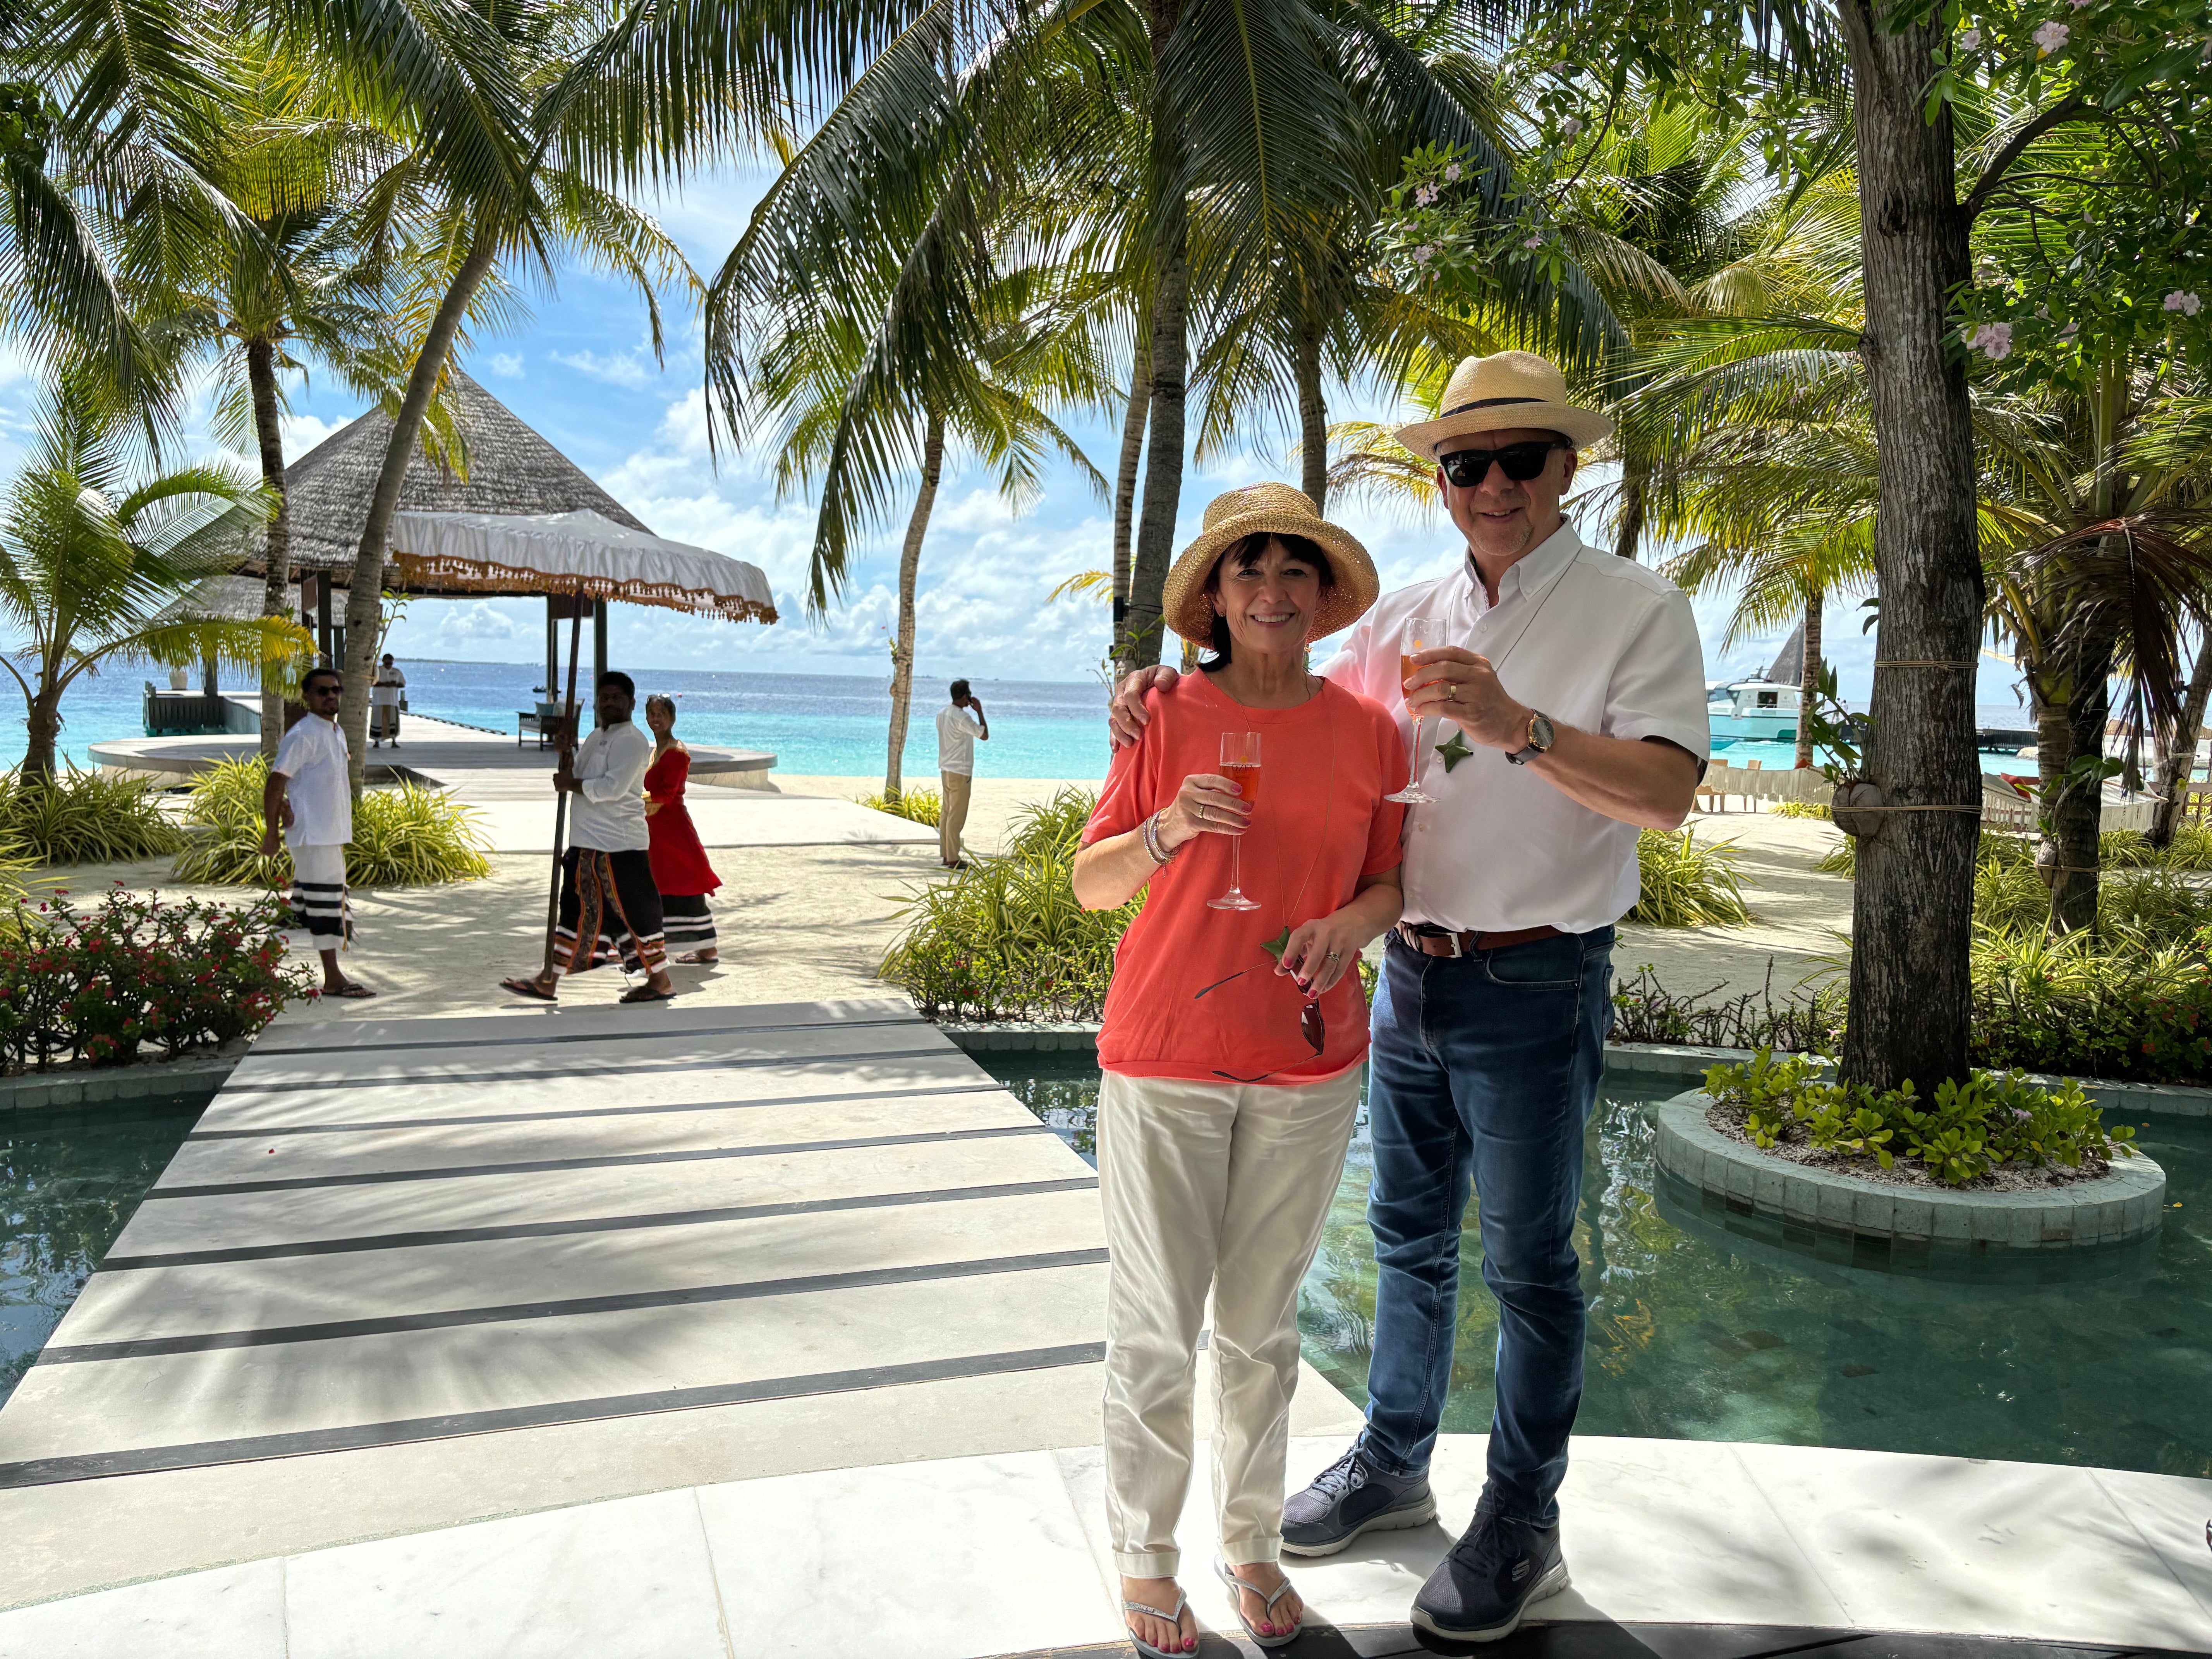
1967 1130
137 972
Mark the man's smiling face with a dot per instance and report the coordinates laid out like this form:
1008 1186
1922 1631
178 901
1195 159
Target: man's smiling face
1500 518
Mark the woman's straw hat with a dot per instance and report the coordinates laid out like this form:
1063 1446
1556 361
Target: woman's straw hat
1274 510
1505 389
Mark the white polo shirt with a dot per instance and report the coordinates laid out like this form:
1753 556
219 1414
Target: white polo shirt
312 758
956 740
608 812
1597 642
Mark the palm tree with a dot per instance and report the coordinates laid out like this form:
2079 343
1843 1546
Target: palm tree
93 560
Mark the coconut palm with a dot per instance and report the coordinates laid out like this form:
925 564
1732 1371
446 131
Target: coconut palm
95 557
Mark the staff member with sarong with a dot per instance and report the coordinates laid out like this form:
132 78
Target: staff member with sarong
608 900
1231 1072
680 869
388 691
310 795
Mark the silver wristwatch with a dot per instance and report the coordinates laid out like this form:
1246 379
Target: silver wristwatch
1540 739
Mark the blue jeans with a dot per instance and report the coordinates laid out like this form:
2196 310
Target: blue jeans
1484 1071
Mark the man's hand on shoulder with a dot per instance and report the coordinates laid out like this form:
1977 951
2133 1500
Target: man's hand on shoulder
1125 714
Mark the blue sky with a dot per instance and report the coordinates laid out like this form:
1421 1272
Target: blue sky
581 371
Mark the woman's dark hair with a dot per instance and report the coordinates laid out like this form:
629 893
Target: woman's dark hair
1242 556
665 701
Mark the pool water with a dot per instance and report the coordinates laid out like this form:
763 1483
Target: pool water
1699 1331
69 1182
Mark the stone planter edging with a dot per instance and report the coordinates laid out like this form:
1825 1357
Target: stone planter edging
2126 1204
195 1077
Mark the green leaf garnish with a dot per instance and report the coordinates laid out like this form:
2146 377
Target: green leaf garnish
1275 946
1454 750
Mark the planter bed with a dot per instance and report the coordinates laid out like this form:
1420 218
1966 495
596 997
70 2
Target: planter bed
195 1075
2115 1208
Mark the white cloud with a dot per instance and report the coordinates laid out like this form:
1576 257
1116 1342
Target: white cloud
480 623
301 433
507 365
630 369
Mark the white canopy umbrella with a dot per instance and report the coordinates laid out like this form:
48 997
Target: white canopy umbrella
574 553
583 554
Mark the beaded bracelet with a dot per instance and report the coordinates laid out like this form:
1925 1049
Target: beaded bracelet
1151 831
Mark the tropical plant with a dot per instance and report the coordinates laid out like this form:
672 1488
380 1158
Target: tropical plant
1004 937
407 836
1807 1020
96 560
85 817
919 806
2086 1007
1801 809
1687 882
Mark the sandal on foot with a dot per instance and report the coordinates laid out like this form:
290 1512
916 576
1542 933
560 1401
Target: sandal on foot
353 990
694 959
524 987
1239 1588
1175 1619
646 993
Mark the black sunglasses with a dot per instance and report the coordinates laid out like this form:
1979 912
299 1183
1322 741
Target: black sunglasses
1468 467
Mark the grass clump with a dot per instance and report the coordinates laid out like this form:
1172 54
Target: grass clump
1005 938
84 818
1967 1130
1810 1020
409 836
1802 809
1687 882
920 805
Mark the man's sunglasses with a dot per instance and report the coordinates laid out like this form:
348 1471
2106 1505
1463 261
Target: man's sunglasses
1468 467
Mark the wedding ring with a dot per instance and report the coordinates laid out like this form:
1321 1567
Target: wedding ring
1333 956
1451 692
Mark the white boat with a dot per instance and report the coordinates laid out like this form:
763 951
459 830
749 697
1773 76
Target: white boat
1752 711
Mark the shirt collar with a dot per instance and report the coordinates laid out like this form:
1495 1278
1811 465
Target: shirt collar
1534 571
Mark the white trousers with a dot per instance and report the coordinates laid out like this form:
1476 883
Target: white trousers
1217 1186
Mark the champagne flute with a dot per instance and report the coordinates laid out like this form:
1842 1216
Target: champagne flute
1240 764
1419 634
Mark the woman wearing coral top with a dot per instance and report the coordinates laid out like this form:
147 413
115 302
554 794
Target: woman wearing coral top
1233 1039
680 869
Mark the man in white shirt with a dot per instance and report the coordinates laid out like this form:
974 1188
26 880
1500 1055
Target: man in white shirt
1575 695
388 691
310 797
959 724
607 897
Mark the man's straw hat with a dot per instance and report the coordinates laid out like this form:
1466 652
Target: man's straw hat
1506 390
1274 510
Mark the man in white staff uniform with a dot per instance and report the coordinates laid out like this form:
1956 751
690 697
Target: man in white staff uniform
309 795
960 723
1575 682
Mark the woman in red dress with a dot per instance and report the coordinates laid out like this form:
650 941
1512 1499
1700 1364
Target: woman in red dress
680 869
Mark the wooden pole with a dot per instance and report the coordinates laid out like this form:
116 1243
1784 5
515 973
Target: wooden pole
567 754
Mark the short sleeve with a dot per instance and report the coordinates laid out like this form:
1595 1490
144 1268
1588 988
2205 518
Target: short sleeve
1658 687
293 753
1348 667
1132 781
1386 830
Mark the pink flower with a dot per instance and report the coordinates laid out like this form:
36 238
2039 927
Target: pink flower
2187 304
1571 126
1425 195
2050 37
1993 340
1533 242
1423 255
1452 172
1971 39
2067 333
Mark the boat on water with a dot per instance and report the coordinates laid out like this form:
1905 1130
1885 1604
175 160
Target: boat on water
1752 711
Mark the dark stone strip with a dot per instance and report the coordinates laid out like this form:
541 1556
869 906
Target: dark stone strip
614 1223
337 1330
94 1466
641 1035
612 1073
604 1161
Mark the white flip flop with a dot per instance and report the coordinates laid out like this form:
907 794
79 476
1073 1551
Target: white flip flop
1175 1619
1238 1589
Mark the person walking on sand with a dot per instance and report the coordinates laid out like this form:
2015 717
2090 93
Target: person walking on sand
959 724
608 900
385 696
1232 1039
309 797
1576 684
680 869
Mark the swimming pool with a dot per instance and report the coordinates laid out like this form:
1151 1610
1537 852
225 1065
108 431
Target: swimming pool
1700 1330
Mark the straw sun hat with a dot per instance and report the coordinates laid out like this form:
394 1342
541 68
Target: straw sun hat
1506 390
1274 510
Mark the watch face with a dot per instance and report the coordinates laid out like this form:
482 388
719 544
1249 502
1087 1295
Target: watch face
1539 732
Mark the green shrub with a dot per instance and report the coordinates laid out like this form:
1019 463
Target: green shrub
139 972
409 836
922 805
85 817
1843 860
1968 1129
1801 809
1005 938
1809 1020
2090 1008
1687 882
2191 848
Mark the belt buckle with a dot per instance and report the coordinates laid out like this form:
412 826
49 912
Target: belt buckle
1452 939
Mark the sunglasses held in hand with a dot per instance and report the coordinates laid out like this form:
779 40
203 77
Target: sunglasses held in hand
1468 467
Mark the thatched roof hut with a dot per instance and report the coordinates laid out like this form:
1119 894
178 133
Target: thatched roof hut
510 470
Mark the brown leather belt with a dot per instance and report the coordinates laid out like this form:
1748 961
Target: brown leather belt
1442 943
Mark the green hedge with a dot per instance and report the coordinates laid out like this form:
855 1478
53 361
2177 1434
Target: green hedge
409 836
84 818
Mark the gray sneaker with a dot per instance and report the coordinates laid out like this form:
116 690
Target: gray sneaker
1348 1497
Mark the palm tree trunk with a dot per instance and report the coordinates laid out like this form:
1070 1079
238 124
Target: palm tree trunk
1913 903
917 527
364 600
1312 417
42 730
2075 815
261 377
1148 571
1809 679
1635 475
1125 482
2180 758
